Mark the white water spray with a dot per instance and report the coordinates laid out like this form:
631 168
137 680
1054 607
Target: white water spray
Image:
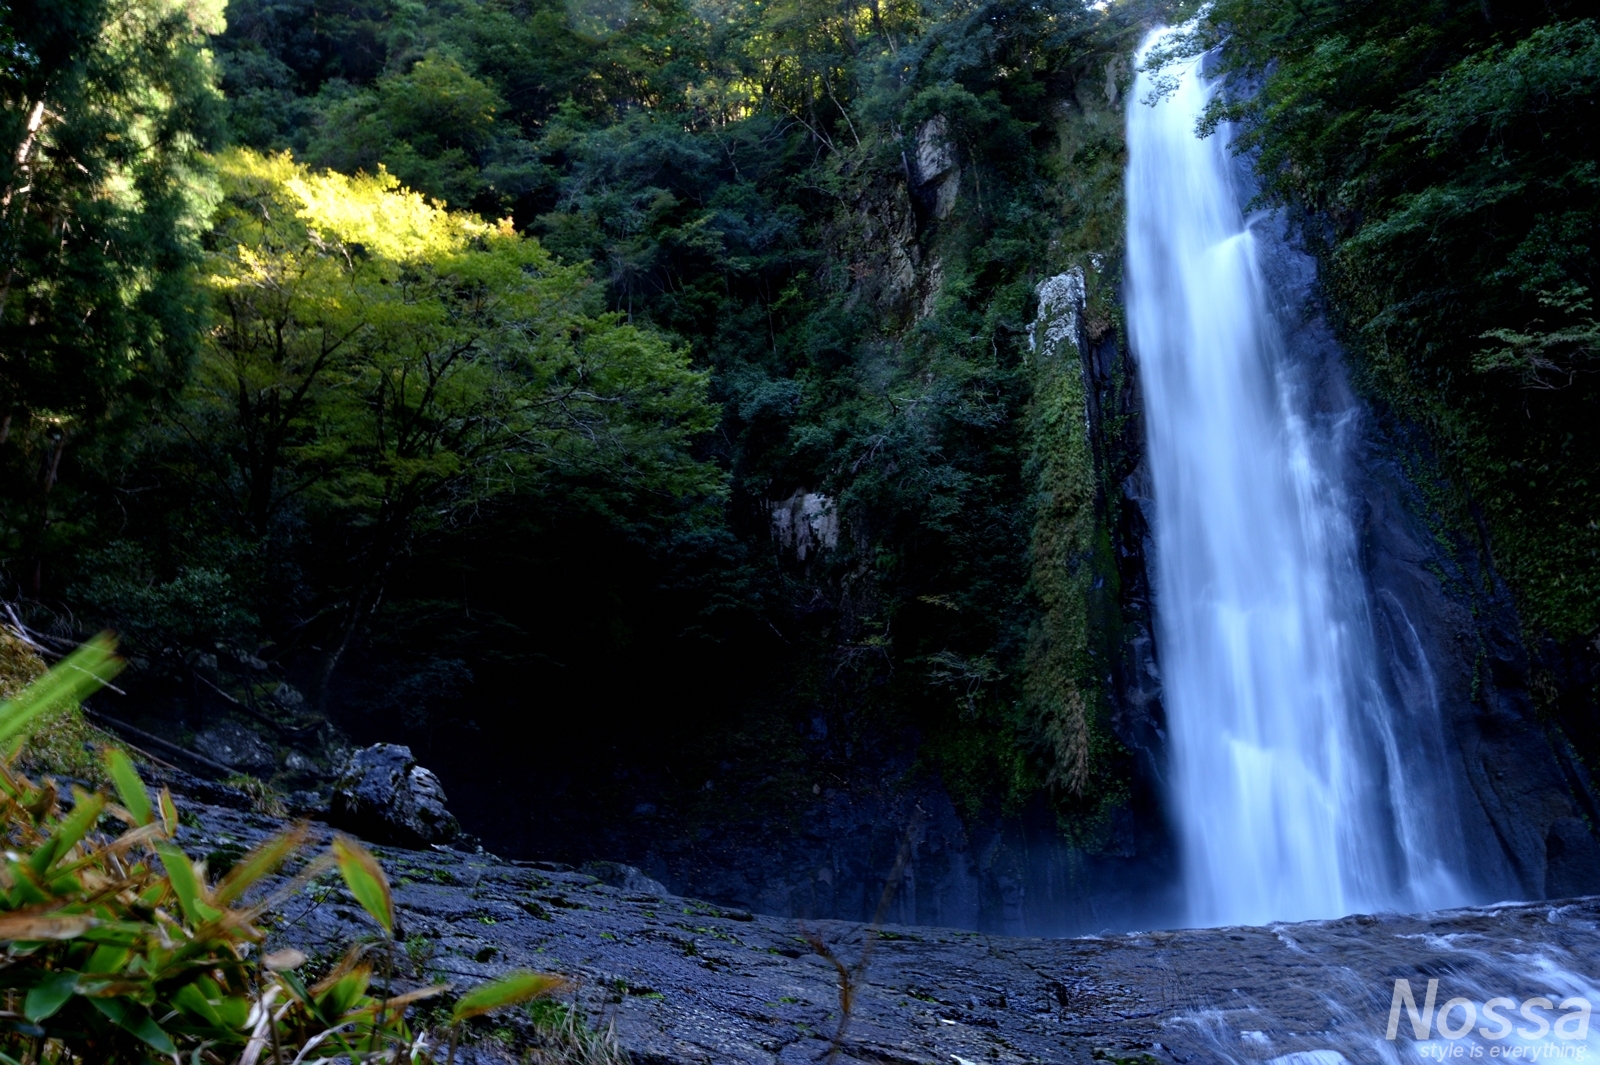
1295 787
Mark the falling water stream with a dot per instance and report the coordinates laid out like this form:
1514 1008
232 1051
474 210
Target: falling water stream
1301 790
1293 778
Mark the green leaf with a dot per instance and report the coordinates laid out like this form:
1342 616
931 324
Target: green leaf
192 1000
336 1001
185 884
79 675
261 861
25 889
108 958
72 828
130 789
48 996
297 988
169 812
145 1027
515 987
233 1009
136 1021
364 877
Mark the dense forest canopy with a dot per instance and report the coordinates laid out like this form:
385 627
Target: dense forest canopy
454 360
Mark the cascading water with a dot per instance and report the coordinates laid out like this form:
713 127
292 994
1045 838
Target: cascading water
1293 778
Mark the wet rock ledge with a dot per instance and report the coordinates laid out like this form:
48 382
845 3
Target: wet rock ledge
689 982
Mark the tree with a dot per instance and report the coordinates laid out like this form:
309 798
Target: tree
433 126
105 107
381 366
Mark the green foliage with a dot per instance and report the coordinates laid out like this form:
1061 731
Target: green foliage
120 947
61 742
490 457
509 990
434 343
80 673
101 125
365 879
737 178
198 606
380 367
430 125
105 106
561 1036
1453 156
1066 532
264 798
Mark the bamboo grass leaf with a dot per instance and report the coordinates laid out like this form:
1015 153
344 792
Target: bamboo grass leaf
48 996
364 877
421 993
29 927
169 812
281 960
261 861
73 828
190 998
337 1000
186 884
509 990
73 679
130 789
137 1021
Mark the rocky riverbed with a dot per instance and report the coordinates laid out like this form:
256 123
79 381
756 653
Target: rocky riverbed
689 982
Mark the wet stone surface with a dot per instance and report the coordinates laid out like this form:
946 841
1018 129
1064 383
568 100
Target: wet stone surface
686 981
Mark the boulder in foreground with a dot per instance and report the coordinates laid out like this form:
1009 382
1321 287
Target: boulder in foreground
383 795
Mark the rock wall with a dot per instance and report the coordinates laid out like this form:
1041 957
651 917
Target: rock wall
1096 691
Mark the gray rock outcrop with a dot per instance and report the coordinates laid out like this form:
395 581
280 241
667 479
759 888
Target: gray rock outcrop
629 878
383 795
937 169
236 746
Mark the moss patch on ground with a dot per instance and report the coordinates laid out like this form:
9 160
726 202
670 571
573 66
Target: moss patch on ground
65 745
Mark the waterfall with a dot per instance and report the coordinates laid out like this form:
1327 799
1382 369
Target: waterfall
1296 785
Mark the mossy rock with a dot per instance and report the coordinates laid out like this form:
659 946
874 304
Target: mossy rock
64 745
20 665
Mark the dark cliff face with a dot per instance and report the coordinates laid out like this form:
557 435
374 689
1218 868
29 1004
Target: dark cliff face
1020 874
1012 876
1116 418
1452 641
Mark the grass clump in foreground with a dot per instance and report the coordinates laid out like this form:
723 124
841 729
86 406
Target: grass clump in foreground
562 1037
119 949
